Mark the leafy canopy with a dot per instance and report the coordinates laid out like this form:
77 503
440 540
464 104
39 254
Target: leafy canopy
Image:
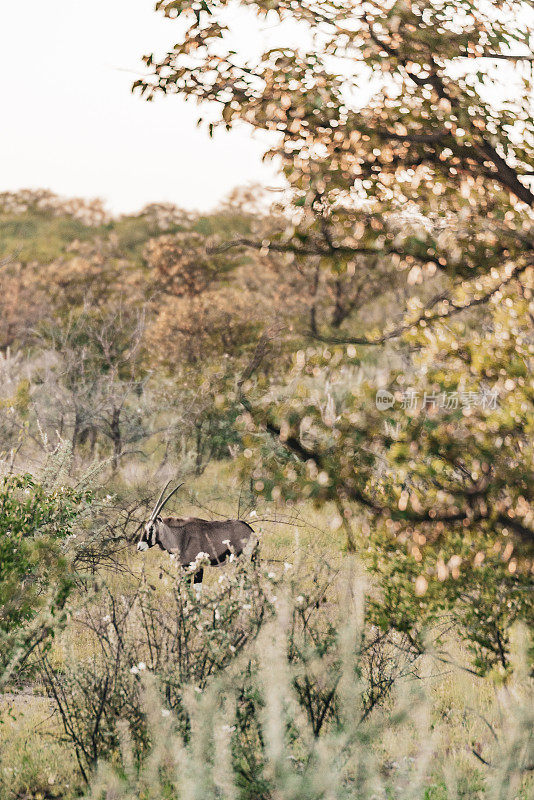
405 131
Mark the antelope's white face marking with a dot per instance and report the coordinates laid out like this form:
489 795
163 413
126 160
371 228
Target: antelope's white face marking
149 537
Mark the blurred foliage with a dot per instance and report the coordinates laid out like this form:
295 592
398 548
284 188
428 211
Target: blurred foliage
363 344
344 761
406 135
397 263
189 643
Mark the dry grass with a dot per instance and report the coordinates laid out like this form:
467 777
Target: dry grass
34 763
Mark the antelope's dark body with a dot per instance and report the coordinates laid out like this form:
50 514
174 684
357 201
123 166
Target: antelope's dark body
188 537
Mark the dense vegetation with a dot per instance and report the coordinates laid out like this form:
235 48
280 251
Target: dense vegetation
348 366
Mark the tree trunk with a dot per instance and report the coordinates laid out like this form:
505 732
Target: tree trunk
76 430
92 441
313 307
115 427
198 460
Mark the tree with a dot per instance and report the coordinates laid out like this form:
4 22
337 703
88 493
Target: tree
93 386
210 299
56 255
428 141
429 182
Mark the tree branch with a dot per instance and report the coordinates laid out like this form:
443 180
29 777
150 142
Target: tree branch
452 309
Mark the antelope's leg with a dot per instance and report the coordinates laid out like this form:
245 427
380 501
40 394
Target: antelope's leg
255 552
197 581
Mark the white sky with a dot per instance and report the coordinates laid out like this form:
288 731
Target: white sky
69 122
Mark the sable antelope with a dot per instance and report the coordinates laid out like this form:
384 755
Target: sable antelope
188 538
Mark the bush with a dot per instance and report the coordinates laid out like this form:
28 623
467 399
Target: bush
184 640
188 644
35 568
346 762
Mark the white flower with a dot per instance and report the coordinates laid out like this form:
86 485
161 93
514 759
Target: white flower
253 514
271 575
141 666
134 670
287 566
165 712
107 618
300 599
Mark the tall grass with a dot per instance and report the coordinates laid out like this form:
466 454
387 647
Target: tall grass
349 759
271 687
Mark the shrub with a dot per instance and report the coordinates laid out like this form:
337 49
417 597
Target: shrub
346 762
35 567
188 644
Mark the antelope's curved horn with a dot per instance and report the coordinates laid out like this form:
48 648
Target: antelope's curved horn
156 510
169 496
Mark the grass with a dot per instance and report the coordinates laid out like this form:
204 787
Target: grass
36 763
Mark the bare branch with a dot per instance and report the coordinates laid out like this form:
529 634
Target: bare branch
451 309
